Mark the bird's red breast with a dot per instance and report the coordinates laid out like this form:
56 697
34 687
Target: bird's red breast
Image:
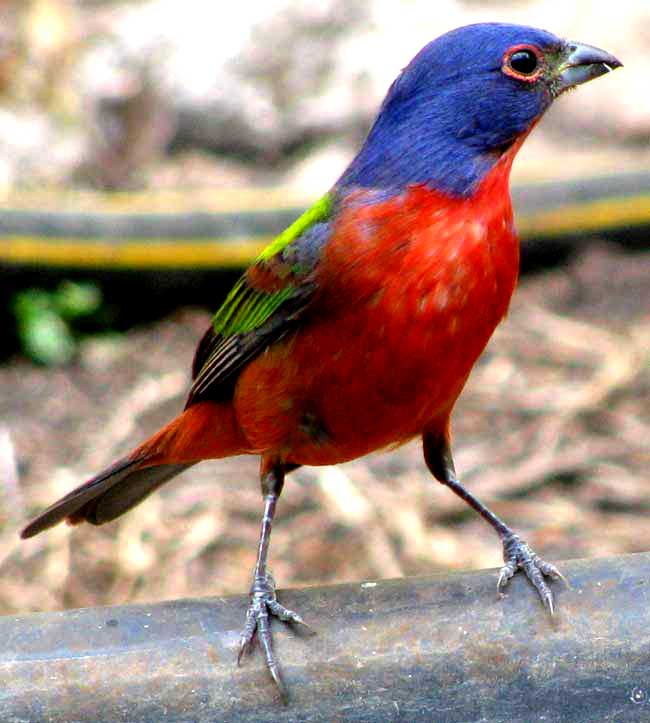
411 289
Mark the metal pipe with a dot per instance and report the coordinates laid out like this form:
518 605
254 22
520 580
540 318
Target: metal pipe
105 238
440 648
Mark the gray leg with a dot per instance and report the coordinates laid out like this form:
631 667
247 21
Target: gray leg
516 553
263 601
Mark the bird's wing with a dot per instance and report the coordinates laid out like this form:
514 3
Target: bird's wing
264 305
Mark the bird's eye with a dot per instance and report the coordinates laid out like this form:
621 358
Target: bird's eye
523 62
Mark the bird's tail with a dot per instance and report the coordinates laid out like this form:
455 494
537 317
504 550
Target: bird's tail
203 431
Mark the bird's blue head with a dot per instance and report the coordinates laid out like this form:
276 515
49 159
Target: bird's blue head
464 100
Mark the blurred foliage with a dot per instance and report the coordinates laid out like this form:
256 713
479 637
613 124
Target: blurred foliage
48 322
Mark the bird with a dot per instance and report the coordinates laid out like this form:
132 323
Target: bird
356 329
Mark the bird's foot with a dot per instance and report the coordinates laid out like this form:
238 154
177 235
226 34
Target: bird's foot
519 556
263 603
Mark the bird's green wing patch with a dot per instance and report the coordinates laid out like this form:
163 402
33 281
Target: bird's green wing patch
263 305
246 308
251 302
319 211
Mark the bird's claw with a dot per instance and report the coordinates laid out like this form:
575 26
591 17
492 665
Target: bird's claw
263 603
519 556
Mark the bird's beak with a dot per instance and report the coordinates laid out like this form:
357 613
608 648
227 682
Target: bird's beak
581 63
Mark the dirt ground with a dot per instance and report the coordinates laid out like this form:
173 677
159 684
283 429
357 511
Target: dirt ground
552 431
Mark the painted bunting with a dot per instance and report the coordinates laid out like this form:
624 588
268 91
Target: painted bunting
358 326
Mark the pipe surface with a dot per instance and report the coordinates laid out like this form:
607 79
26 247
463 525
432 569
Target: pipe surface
440 648
39 235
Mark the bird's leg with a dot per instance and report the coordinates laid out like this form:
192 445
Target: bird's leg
263 600
516 553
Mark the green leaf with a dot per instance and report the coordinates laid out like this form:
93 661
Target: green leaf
74 300
44 335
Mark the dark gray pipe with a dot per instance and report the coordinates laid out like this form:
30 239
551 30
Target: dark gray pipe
123 227
440 648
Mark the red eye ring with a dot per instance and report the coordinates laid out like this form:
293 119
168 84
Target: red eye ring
530 60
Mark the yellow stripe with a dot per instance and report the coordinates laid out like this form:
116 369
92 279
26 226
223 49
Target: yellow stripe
599 215
87 253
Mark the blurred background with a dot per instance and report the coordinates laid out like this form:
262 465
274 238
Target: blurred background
134 134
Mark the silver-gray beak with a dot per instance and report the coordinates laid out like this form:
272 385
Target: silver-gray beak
582 63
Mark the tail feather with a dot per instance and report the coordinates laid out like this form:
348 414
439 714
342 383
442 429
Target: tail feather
127 493
106 496
203 431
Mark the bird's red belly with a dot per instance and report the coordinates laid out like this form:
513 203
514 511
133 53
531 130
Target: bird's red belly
388 361
411 291
320 413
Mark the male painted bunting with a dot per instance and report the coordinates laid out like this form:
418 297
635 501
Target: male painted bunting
359 325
